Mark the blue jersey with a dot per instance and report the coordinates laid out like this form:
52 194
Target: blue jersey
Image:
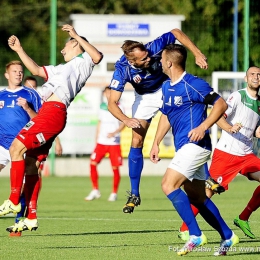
146 80
13 117
183 103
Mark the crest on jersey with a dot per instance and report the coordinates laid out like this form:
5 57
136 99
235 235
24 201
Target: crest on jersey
178 101
137 79
2 103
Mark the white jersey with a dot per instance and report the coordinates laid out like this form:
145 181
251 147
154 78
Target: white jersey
66 80
243 109
108 124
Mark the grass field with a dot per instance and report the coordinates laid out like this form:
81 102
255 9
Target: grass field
71 228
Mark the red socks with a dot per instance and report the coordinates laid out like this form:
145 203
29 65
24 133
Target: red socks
252 205
184 226
16 178
116 180
94 176
32 188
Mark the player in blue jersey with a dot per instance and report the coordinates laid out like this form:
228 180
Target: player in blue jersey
18 104
140 66
185 102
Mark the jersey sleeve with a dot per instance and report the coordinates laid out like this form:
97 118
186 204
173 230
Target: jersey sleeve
232 102
156 46
119 78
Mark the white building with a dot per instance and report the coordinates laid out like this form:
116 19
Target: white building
108 33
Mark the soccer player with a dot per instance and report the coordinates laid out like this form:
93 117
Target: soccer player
108 142
184 109
140 66
18 105
63 82
234 150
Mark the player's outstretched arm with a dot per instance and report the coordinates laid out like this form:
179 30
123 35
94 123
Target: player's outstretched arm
200 58
89 48
29 63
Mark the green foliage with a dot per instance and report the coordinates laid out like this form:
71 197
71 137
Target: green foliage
209 23
71 228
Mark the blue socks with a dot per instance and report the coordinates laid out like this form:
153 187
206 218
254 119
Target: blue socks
211 214
135 164
23 207
206 168
181 203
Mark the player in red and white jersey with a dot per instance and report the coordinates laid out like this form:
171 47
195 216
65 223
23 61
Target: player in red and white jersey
63 82
108 142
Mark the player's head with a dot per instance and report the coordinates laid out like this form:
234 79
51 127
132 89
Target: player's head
253 77
30 82
72 48
14 73
136 54
106 93
173 55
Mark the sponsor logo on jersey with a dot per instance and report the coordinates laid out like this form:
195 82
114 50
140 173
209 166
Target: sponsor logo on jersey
12 104
178 101
169 103
114 83
137 79
28 125
41 138
147 74
2 103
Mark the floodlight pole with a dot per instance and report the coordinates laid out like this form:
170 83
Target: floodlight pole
246 35
235 35
53 62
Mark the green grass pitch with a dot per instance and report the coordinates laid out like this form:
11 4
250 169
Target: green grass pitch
71 228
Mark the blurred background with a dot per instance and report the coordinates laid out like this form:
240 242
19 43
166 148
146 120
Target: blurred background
226 31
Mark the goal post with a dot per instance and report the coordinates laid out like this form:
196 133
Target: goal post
232 82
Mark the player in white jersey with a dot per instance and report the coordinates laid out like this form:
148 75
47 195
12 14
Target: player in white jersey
63 82
108 142
234 151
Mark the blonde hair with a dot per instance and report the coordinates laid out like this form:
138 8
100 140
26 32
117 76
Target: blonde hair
13 62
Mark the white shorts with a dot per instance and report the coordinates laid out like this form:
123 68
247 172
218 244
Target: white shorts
146 106
190 160
4 156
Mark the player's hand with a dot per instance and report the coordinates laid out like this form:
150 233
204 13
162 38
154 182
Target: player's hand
132 123
201 61
154 154
235 128
257 132
23 103
14 43
70 29
196 134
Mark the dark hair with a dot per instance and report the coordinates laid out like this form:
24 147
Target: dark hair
129 46
82 37
177 54
30 78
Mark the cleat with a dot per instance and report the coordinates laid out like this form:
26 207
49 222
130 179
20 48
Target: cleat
183 235
15 234
25 224
226 244
9 207
94 194
192 243
132 202
12 228
112 197
214 186
244 226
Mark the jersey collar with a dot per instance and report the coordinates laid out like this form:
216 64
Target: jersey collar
179 79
